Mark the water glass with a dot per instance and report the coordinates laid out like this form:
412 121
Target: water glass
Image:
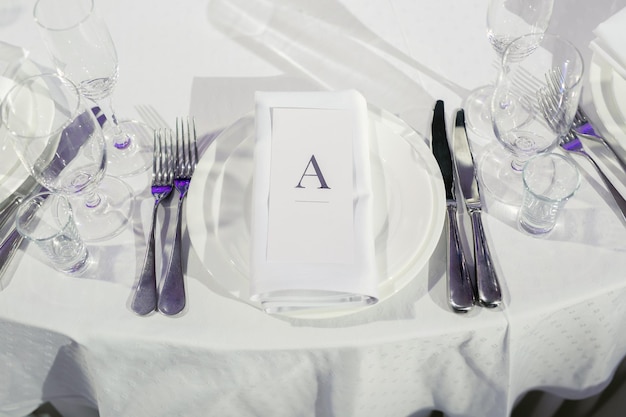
47 220
549 181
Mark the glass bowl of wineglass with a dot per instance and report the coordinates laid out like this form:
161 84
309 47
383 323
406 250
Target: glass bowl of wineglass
60 142
506 20
533 107
83 51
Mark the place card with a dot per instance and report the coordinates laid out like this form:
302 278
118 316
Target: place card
310 216
312 234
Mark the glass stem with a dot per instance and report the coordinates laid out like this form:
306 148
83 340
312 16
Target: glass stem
93 200
518 164
120 139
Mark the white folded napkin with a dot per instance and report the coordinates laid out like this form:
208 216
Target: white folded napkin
609 42
312 234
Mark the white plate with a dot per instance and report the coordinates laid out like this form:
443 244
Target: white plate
608 90
409 206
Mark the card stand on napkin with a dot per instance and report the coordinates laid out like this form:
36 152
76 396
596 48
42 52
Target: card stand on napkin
312 231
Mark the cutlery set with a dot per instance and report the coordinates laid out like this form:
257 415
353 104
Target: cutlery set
479 286
466 287
174 161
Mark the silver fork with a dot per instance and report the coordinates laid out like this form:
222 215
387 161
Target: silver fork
151 116
583 128
548 100
145 299
572 143
172 291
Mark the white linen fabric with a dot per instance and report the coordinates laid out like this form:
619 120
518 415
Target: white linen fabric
11 56
312 225
560 328
609 42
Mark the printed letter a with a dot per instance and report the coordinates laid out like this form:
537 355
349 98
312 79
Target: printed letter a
318 174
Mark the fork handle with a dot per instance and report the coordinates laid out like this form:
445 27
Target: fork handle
145 300
172 293
597 138
619 199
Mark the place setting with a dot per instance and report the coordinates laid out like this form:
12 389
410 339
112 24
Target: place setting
291 207
372 248
230 238
286 252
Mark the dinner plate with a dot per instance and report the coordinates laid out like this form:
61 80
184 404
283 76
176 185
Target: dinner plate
608 90
409 207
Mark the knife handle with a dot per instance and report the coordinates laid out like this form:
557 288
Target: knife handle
489 294
460 291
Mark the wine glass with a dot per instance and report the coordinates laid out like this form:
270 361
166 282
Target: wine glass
82 50
533 106
60 142
506 21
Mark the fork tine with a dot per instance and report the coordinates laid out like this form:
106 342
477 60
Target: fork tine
186 147
161 157
151 116
188 161
162 169
178 151
194 151
156 151
169 161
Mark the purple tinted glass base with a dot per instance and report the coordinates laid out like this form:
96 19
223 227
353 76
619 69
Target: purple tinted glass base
123 145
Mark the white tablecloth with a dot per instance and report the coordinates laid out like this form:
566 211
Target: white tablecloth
560 328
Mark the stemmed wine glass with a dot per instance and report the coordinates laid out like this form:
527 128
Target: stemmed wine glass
60 142
506 21
82 50
533 106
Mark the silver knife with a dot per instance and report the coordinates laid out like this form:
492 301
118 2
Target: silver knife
460 289
9 205
489 294
58 155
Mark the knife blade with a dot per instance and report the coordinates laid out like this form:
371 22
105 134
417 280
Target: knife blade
489 294
460 289
58 157
9 205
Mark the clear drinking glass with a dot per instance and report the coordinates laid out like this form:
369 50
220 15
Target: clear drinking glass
83 51
47 220
550 180
60 142
533 107
506 20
